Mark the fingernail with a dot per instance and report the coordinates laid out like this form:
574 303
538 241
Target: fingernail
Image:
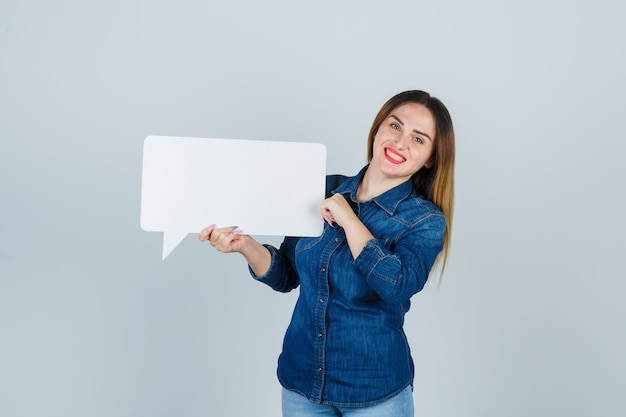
233 227
238 232
210 227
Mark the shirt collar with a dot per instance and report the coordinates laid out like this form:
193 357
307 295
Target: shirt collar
388 200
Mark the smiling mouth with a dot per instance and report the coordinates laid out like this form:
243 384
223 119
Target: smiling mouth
394 157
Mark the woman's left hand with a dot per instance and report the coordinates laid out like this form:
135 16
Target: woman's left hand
336 209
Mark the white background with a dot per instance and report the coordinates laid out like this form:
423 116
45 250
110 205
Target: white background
529 319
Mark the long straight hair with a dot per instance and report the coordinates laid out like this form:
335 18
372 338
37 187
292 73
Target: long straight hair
436 183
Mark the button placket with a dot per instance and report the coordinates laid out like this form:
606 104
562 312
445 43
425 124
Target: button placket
323 292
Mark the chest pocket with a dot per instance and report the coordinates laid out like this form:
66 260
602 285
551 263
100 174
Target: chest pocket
307 243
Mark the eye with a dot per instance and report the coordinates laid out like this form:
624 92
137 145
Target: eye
419 140
394 126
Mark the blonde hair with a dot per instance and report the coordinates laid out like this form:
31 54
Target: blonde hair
436 183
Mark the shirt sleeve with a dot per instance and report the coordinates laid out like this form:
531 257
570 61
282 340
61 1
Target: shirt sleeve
282 275
398 272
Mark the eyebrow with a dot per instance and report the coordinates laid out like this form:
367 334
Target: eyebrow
414 130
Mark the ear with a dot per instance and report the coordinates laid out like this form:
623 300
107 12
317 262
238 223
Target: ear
430 163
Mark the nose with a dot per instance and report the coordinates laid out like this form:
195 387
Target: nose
399 141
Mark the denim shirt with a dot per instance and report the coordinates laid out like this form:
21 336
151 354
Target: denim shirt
345 345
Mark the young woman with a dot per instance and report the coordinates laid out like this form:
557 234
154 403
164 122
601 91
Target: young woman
345 352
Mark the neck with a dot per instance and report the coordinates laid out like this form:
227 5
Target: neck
374 183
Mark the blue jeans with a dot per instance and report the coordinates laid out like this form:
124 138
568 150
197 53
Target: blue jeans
296 405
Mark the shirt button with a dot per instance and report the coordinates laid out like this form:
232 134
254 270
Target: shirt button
321 300
336 239
319 335
323 269
319 369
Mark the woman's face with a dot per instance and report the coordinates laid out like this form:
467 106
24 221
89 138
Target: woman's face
403 143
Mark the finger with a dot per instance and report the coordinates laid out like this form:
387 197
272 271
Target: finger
230 242
205 234
238 241
222 238
217 234
327 216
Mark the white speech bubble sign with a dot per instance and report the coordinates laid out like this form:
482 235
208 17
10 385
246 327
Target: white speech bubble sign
263 187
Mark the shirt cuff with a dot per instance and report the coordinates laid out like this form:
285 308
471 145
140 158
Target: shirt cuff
370 256
272 265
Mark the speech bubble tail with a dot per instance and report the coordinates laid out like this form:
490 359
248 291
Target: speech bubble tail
171 240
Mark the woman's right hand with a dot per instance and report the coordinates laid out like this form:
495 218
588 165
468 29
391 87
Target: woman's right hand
224 239
231 239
